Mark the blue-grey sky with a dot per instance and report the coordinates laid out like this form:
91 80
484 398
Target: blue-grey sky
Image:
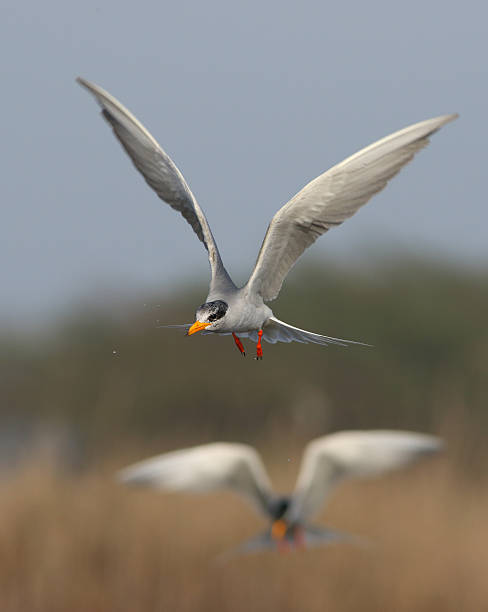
252 100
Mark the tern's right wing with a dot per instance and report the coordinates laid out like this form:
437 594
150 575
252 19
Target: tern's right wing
205 468
160 173
330 199
329 460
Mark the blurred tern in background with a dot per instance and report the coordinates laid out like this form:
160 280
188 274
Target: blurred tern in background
327 461
322 204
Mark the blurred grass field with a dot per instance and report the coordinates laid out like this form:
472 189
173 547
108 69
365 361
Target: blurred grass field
81 542
104 386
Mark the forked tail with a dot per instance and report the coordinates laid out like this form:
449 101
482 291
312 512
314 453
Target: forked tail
312 536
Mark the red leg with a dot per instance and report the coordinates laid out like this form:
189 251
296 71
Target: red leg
239 344
259 349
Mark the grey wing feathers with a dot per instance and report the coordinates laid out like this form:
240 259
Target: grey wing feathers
329 460
332 198
205 468
158 170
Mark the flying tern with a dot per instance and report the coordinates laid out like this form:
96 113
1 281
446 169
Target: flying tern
322 204
327 461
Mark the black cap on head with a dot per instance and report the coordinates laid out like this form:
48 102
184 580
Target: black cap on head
278 507
213 310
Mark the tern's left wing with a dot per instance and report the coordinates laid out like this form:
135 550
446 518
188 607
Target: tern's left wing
332 198
329 460
205 468
160 173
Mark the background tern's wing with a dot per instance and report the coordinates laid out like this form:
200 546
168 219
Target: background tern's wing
330 199
329 460
160 173
201 469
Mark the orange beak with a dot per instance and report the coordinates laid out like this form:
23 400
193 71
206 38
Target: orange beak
196 327
279 529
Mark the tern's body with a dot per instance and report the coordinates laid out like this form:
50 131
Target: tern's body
325 202
247 312
326 462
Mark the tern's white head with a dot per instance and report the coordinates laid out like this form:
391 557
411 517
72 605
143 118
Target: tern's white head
210 315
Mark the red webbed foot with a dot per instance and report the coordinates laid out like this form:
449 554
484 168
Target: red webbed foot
239 344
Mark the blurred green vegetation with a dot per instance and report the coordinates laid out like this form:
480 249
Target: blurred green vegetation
109 375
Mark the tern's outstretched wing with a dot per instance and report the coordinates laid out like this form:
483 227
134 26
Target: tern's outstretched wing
332 198
205 468
352 454
160 173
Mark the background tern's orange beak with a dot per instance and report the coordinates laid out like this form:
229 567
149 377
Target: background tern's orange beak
196 327
279 529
